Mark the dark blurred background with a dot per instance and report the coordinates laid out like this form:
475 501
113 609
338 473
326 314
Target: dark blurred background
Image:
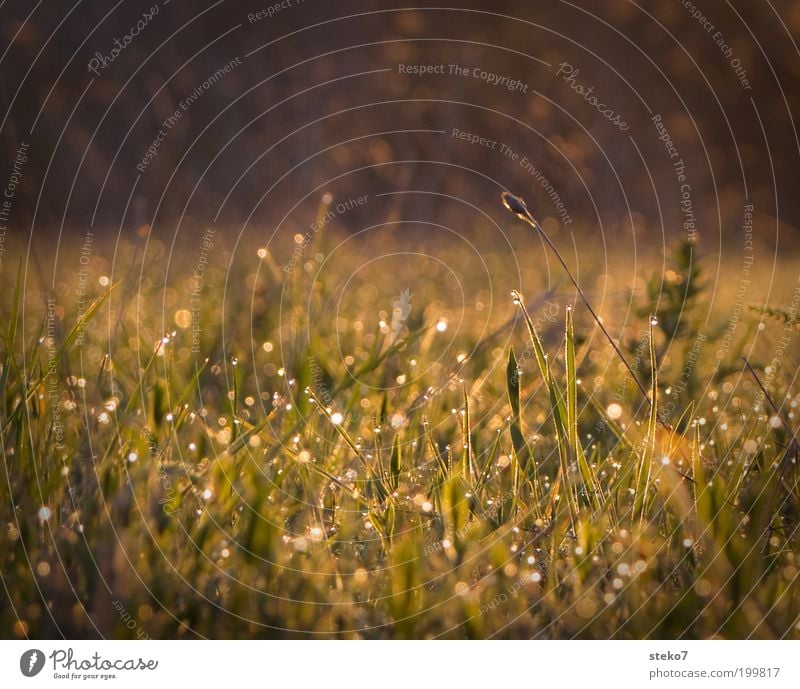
308 112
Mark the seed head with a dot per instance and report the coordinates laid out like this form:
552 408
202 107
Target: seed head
515 204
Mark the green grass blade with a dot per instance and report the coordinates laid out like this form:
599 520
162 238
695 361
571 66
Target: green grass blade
590 482
645 465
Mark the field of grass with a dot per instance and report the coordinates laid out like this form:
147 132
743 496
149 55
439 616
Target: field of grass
355 437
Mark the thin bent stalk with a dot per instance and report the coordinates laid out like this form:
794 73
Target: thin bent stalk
559 417
644 467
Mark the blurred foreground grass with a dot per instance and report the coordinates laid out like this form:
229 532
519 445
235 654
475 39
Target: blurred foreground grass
299 447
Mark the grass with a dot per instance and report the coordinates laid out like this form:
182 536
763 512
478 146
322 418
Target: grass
331 465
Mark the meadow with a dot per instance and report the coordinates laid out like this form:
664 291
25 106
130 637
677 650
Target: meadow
408 433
